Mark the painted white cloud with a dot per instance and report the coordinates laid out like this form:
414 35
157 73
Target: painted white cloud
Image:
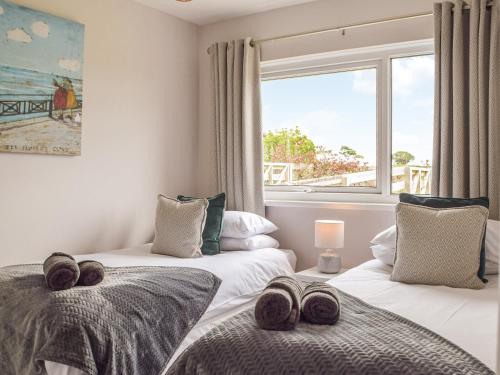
68 64
364 82
1 10
409 73
40 28
18 35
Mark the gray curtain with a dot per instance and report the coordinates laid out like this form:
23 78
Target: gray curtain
466 113
237 117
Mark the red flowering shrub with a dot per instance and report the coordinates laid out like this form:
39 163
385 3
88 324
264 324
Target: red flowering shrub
310 161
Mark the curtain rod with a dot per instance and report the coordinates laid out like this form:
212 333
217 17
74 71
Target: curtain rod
348 26
341 28
337 28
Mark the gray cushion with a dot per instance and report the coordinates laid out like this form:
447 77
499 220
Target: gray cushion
213 225
439 246
442 202
179 227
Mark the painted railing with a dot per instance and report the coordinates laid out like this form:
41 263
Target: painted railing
12 107
39 104
413 179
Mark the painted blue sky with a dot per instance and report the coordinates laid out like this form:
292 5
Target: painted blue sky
38 41
340 109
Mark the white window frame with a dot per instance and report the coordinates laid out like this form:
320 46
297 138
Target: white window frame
378 57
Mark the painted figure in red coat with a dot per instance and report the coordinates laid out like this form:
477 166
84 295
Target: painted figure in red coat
59 98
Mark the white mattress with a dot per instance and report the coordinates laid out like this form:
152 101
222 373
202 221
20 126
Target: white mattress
243 273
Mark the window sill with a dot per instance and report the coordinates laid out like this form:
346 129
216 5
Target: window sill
360 206
371 201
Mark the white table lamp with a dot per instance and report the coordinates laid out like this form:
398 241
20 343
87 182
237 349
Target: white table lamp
329 235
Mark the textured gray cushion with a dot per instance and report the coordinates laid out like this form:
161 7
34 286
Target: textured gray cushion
439 246
179 227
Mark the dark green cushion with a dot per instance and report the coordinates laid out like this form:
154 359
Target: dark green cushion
438 202
213 224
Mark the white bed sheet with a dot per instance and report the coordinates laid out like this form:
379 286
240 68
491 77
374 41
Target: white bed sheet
243 273
467 318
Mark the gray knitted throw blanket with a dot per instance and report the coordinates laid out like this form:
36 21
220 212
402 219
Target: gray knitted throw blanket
366 340
131 323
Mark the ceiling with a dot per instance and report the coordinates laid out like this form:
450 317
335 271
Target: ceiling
202 12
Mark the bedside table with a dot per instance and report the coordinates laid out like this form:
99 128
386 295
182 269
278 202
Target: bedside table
312 274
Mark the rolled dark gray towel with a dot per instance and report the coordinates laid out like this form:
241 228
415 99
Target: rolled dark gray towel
320 304
91 273
278 307
61 271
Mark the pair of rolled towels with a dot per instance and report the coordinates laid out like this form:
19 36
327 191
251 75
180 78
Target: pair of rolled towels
286 300
63 272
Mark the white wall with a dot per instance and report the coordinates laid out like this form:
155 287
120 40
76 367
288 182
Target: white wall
297 223
139 130
361 223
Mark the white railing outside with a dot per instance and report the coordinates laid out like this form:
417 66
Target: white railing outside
278 174
412 179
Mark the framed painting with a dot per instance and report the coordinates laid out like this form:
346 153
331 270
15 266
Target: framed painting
41 64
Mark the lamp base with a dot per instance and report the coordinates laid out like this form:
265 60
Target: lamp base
329 262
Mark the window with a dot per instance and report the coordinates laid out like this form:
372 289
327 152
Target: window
321 130
412 123
351 125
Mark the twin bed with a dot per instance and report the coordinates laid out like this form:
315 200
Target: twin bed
243 273
467 318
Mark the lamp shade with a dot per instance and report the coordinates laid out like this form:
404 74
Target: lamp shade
329 234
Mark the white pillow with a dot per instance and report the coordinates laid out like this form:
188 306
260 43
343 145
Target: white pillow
385 246
492 241
238 224
490 268
260 241
386 238
384 254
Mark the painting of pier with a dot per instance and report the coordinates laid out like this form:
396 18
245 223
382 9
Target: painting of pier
40 82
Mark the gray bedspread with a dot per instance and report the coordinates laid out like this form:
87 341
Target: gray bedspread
366 340
131 323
